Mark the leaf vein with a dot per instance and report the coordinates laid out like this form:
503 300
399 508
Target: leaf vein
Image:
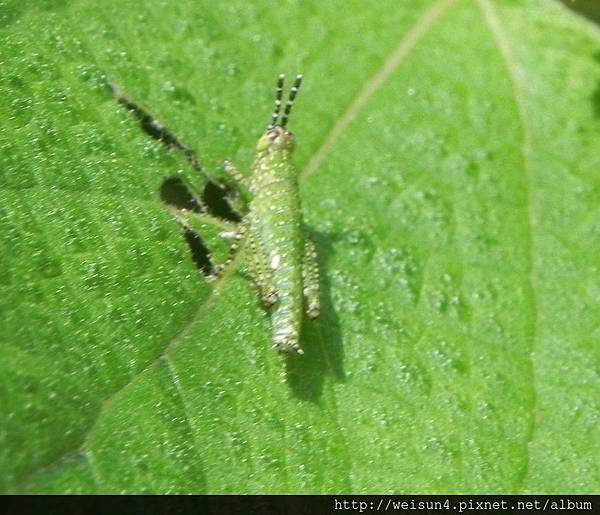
390 65
109 401
514 72
172 369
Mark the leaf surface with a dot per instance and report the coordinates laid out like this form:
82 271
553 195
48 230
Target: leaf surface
449 152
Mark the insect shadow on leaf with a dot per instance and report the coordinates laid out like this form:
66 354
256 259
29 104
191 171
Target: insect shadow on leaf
175 191
324 351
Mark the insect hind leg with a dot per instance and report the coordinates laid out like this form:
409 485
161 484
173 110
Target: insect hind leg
310 273
261 272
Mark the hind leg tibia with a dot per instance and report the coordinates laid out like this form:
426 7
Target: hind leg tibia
310 273
261 272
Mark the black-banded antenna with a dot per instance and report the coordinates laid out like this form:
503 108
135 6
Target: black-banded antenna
278 95
289 104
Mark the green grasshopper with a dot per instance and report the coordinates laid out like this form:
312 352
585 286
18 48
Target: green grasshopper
281 258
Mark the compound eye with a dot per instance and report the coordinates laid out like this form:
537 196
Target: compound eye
265 142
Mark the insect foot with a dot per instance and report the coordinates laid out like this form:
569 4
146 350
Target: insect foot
216 273
287 341
230 235
313 311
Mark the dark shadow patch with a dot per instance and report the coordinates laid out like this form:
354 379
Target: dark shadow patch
588 8
596 94
174 192
321 339
200 253
153 128
596 100
216 198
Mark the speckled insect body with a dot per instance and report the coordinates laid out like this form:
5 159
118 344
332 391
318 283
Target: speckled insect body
279 255
282 258
271 236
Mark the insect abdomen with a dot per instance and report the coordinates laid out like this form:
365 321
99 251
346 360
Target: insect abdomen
278 225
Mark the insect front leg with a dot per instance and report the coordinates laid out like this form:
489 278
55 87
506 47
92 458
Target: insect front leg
199 225
186 188
261 271
237 237
239 184
235 175
310 274
198 221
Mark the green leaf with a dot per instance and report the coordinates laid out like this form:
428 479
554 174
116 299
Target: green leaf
449 152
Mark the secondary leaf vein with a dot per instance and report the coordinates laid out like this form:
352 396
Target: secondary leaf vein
514 73
391 64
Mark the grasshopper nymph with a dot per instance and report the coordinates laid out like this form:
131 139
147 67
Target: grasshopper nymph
283 257
279 254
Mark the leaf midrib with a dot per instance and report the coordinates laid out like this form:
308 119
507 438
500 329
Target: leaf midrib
506 52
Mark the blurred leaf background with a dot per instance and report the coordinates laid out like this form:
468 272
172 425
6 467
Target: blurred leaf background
449 150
